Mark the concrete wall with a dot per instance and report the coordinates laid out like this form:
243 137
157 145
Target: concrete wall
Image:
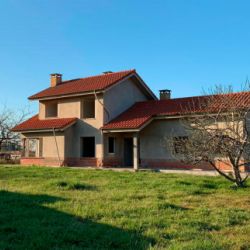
83 127
120 97
117 99
73 139
48 144
69 108
152 143
154 151
72 107
41 110
117 158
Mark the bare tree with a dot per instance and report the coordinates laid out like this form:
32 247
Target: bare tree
216 133
8 120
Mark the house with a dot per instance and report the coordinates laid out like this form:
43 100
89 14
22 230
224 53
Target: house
108 120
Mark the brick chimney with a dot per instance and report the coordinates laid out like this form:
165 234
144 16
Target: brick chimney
55 79
165 94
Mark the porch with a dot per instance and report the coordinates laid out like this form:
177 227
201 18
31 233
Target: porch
121 150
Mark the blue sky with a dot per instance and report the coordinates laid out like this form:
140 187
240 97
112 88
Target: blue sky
183 45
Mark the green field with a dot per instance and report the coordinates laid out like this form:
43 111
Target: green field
52 208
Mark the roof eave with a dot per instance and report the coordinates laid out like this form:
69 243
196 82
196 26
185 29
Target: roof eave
31 98
46 129
136 129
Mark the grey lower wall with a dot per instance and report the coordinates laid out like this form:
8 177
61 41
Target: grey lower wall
73 139
153 139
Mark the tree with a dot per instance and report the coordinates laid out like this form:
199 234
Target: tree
217 131
8 120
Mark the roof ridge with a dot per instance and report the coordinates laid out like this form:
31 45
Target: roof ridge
92 76
190 97
96 82
122 71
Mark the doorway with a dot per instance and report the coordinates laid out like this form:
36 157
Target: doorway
128 152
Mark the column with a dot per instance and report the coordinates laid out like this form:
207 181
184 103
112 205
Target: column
136 151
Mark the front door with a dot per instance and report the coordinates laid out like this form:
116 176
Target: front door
128 152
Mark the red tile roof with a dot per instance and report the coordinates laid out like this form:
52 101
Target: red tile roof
99 82
142 112
34 123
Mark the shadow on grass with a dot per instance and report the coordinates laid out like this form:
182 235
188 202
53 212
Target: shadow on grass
167 205
75 186
26 223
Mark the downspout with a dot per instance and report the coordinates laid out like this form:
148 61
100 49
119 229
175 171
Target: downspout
57 149
108 116
105 109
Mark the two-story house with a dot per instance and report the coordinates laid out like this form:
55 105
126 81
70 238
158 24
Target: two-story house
69 127
112 119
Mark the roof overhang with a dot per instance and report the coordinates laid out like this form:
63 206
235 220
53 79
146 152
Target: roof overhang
153 118
92 92
41 130
128 130
67 95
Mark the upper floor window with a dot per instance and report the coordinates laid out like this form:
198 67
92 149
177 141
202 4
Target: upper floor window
88 108
51 109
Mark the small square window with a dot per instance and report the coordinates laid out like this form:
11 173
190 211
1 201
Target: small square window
51 109
179 144
88 108
111 145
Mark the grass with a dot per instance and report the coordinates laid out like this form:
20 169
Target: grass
48 208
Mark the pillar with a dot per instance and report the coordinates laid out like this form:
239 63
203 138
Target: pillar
136 151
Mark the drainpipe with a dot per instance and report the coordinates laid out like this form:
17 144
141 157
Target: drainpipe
108 117
57 149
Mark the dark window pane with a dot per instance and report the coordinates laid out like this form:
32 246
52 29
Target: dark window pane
111 145
51 109
88 108
88 147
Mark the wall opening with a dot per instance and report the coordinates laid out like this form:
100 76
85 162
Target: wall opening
111 145
88 147
88 108
33 147
128 151
51 109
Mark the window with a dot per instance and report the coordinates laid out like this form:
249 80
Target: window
179 144
111 145
88 108
33 147
88 146
51 109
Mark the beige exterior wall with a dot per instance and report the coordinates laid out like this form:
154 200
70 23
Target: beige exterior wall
41 110
116 100
89 127
120 97
49 148
69 108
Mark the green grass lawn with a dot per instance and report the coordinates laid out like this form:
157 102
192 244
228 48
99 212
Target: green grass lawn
52 208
